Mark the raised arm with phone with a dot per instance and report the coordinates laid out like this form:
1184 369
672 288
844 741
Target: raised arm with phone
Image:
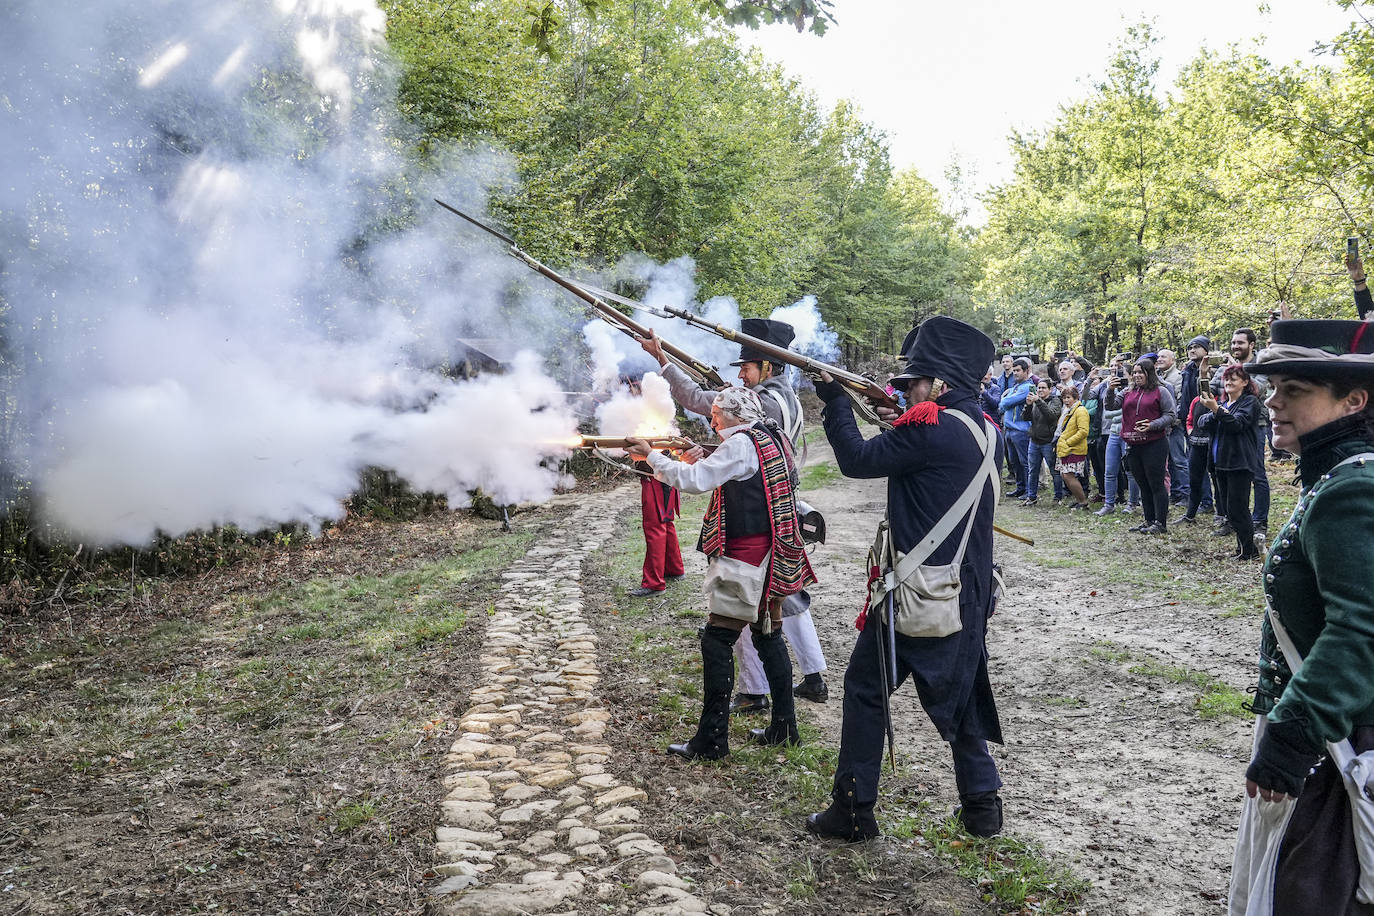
1364 302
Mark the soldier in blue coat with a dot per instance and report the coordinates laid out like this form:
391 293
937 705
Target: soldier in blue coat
929 458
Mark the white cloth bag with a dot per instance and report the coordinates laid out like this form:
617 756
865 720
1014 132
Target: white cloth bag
926 598
734 588
1262 826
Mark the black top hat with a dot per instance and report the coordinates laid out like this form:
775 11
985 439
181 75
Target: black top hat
1317 349
777 333
948 349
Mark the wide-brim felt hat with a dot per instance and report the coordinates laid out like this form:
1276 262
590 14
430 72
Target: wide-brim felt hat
950 350
777 333
1317 348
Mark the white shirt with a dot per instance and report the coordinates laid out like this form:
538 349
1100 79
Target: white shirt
735 459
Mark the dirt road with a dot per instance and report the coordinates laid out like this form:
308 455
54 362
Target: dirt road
1103 681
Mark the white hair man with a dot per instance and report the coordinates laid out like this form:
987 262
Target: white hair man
758 374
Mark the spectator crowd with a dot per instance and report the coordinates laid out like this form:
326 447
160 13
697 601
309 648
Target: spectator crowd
1142 434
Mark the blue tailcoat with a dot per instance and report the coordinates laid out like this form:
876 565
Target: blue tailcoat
927 467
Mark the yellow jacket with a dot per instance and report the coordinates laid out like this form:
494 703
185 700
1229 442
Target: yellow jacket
1074 439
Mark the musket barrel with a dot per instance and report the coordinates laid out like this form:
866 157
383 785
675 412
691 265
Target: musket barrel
852 380
703 371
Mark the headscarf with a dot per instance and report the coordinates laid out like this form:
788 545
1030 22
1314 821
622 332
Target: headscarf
740 402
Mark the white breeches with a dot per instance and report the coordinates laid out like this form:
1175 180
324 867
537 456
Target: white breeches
800 633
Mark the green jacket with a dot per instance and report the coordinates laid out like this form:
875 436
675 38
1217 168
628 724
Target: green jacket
1317 578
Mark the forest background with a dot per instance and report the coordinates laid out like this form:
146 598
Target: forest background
1138 218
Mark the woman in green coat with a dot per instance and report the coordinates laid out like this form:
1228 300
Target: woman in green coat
1296 854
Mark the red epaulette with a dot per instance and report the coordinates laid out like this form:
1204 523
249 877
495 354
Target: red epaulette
926 413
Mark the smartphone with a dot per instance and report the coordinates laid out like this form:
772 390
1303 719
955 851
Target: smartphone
1352 247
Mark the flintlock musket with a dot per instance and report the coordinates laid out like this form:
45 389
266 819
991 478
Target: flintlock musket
700 370
656 443
863 391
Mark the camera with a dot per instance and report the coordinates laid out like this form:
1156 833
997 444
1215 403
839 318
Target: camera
1352 247
1275 315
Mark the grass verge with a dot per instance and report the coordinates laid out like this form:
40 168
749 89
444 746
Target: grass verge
756 799
210 749
1214 697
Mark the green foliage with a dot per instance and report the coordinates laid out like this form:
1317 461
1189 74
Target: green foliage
1137 219
649 129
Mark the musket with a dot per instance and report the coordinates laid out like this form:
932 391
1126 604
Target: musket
703 372
657 443
862 390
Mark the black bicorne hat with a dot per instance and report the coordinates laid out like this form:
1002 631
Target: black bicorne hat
1314 348
948 349
905 352
777 333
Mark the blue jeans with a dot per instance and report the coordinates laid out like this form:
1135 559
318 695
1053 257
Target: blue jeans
1016 458
1116 468
1178 465
1035 454
1200 495
1261 513
1017 442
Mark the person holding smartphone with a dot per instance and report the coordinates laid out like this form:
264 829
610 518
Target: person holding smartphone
1234 451
1044 407
1147 414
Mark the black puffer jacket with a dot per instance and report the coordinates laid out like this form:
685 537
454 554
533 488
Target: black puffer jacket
1044 417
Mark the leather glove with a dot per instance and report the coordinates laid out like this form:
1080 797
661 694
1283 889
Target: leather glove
1282 761
829 391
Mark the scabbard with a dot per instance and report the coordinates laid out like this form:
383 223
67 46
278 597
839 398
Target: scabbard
887 670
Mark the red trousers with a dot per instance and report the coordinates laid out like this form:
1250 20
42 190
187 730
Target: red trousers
659 505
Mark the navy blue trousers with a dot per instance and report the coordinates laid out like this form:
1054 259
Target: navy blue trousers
863 733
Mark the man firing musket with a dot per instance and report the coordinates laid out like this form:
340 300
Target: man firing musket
757 372
934 589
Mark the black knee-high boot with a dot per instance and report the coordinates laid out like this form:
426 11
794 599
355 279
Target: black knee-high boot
712 740
777 667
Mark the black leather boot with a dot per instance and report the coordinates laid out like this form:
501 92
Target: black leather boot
712 740
981 814
813 688
777 667
853 824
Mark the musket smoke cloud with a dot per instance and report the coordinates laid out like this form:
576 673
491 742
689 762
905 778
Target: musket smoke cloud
203 319
672 284
649 413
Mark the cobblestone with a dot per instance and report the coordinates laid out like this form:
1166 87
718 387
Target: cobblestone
529 752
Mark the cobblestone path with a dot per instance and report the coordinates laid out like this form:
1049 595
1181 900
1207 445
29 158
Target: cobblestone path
532 821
